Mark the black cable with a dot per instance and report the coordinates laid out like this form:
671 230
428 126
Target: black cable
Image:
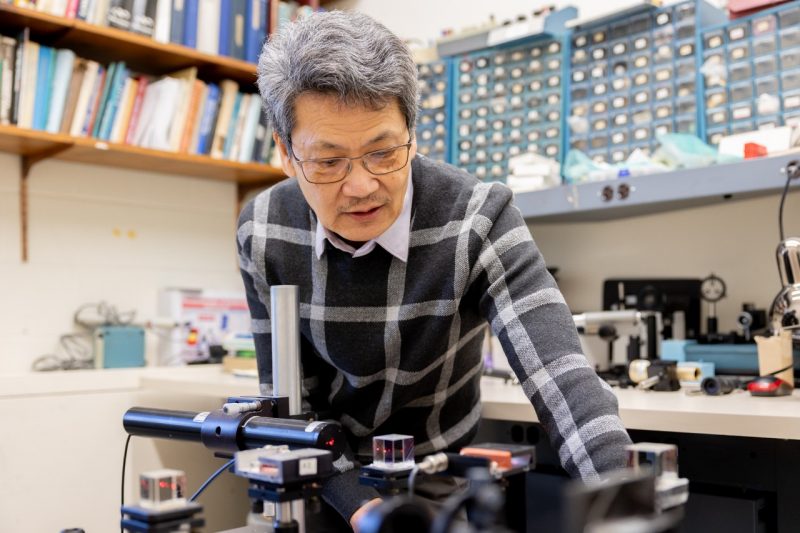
210 479
792 172
122 490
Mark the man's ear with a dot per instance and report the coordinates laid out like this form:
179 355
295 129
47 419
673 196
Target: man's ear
286 159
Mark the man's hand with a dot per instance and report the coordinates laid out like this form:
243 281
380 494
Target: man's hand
361 511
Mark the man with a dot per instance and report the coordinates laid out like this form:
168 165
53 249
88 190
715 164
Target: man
400 262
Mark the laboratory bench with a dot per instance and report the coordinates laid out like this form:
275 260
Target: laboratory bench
740 453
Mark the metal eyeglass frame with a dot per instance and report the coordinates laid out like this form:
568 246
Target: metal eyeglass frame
350 162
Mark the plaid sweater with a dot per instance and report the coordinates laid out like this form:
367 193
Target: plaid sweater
394 347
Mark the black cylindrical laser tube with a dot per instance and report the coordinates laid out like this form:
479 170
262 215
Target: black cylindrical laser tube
228 433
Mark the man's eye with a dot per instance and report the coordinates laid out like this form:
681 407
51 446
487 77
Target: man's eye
328 162
382 153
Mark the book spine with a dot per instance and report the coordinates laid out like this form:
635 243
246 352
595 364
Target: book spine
112 107
83 9
191 117
84 98
72 9
94 102
103 101
209 111
119 14
7 49
252 35
19 71
144 17
261 134
177 21
42 88
163 21
137 108
238 28
231 130
64 61
121 129
71 101
225 28
190 24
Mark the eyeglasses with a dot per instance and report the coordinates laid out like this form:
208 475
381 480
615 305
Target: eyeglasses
323 171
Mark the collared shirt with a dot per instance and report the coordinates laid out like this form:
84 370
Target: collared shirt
394 240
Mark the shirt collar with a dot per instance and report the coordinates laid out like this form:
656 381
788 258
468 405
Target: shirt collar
394 240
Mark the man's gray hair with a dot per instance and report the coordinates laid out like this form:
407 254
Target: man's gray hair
345 54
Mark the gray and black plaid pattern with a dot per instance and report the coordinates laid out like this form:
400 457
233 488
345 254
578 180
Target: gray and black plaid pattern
392 347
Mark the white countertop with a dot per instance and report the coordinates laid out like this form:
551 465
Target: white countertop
737 414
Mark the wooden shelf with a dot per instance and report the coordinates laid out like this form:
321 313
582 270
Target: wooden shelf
32 143
140 53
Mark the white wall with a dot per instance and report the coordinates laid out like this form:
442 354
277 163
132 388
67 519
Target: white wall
98 233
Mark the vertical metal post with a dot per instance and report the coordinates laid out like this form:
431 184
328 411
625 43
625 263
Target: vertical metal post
285 317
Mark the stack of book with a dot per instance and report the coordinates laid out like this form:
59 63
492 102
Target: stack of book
235 28
53 90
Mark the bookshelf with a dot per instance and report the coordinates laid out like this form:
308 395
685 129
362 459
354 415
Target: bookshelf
106 44
143 54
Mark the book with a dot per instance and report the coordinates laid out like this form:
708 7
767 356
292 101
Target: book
64 61
191 116
190 23
133 124
230 130
158 112
72 9
119 14
177 21
84 96
83 9
208 13
114 100
126 111
229 90
224 46
260 135
256 29
42 88
58 7
238 12
163 21
7 58
238 129
119 116
94 102
102 101
248 139
195 133
19 72
186 77
28 86
73 94
213 129
208 118
100 12
144 17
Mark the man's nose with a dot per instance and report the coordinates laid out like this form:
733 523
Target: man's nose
360 183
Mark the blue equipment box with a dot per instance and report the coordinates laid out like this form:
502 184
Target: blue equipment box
119 347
